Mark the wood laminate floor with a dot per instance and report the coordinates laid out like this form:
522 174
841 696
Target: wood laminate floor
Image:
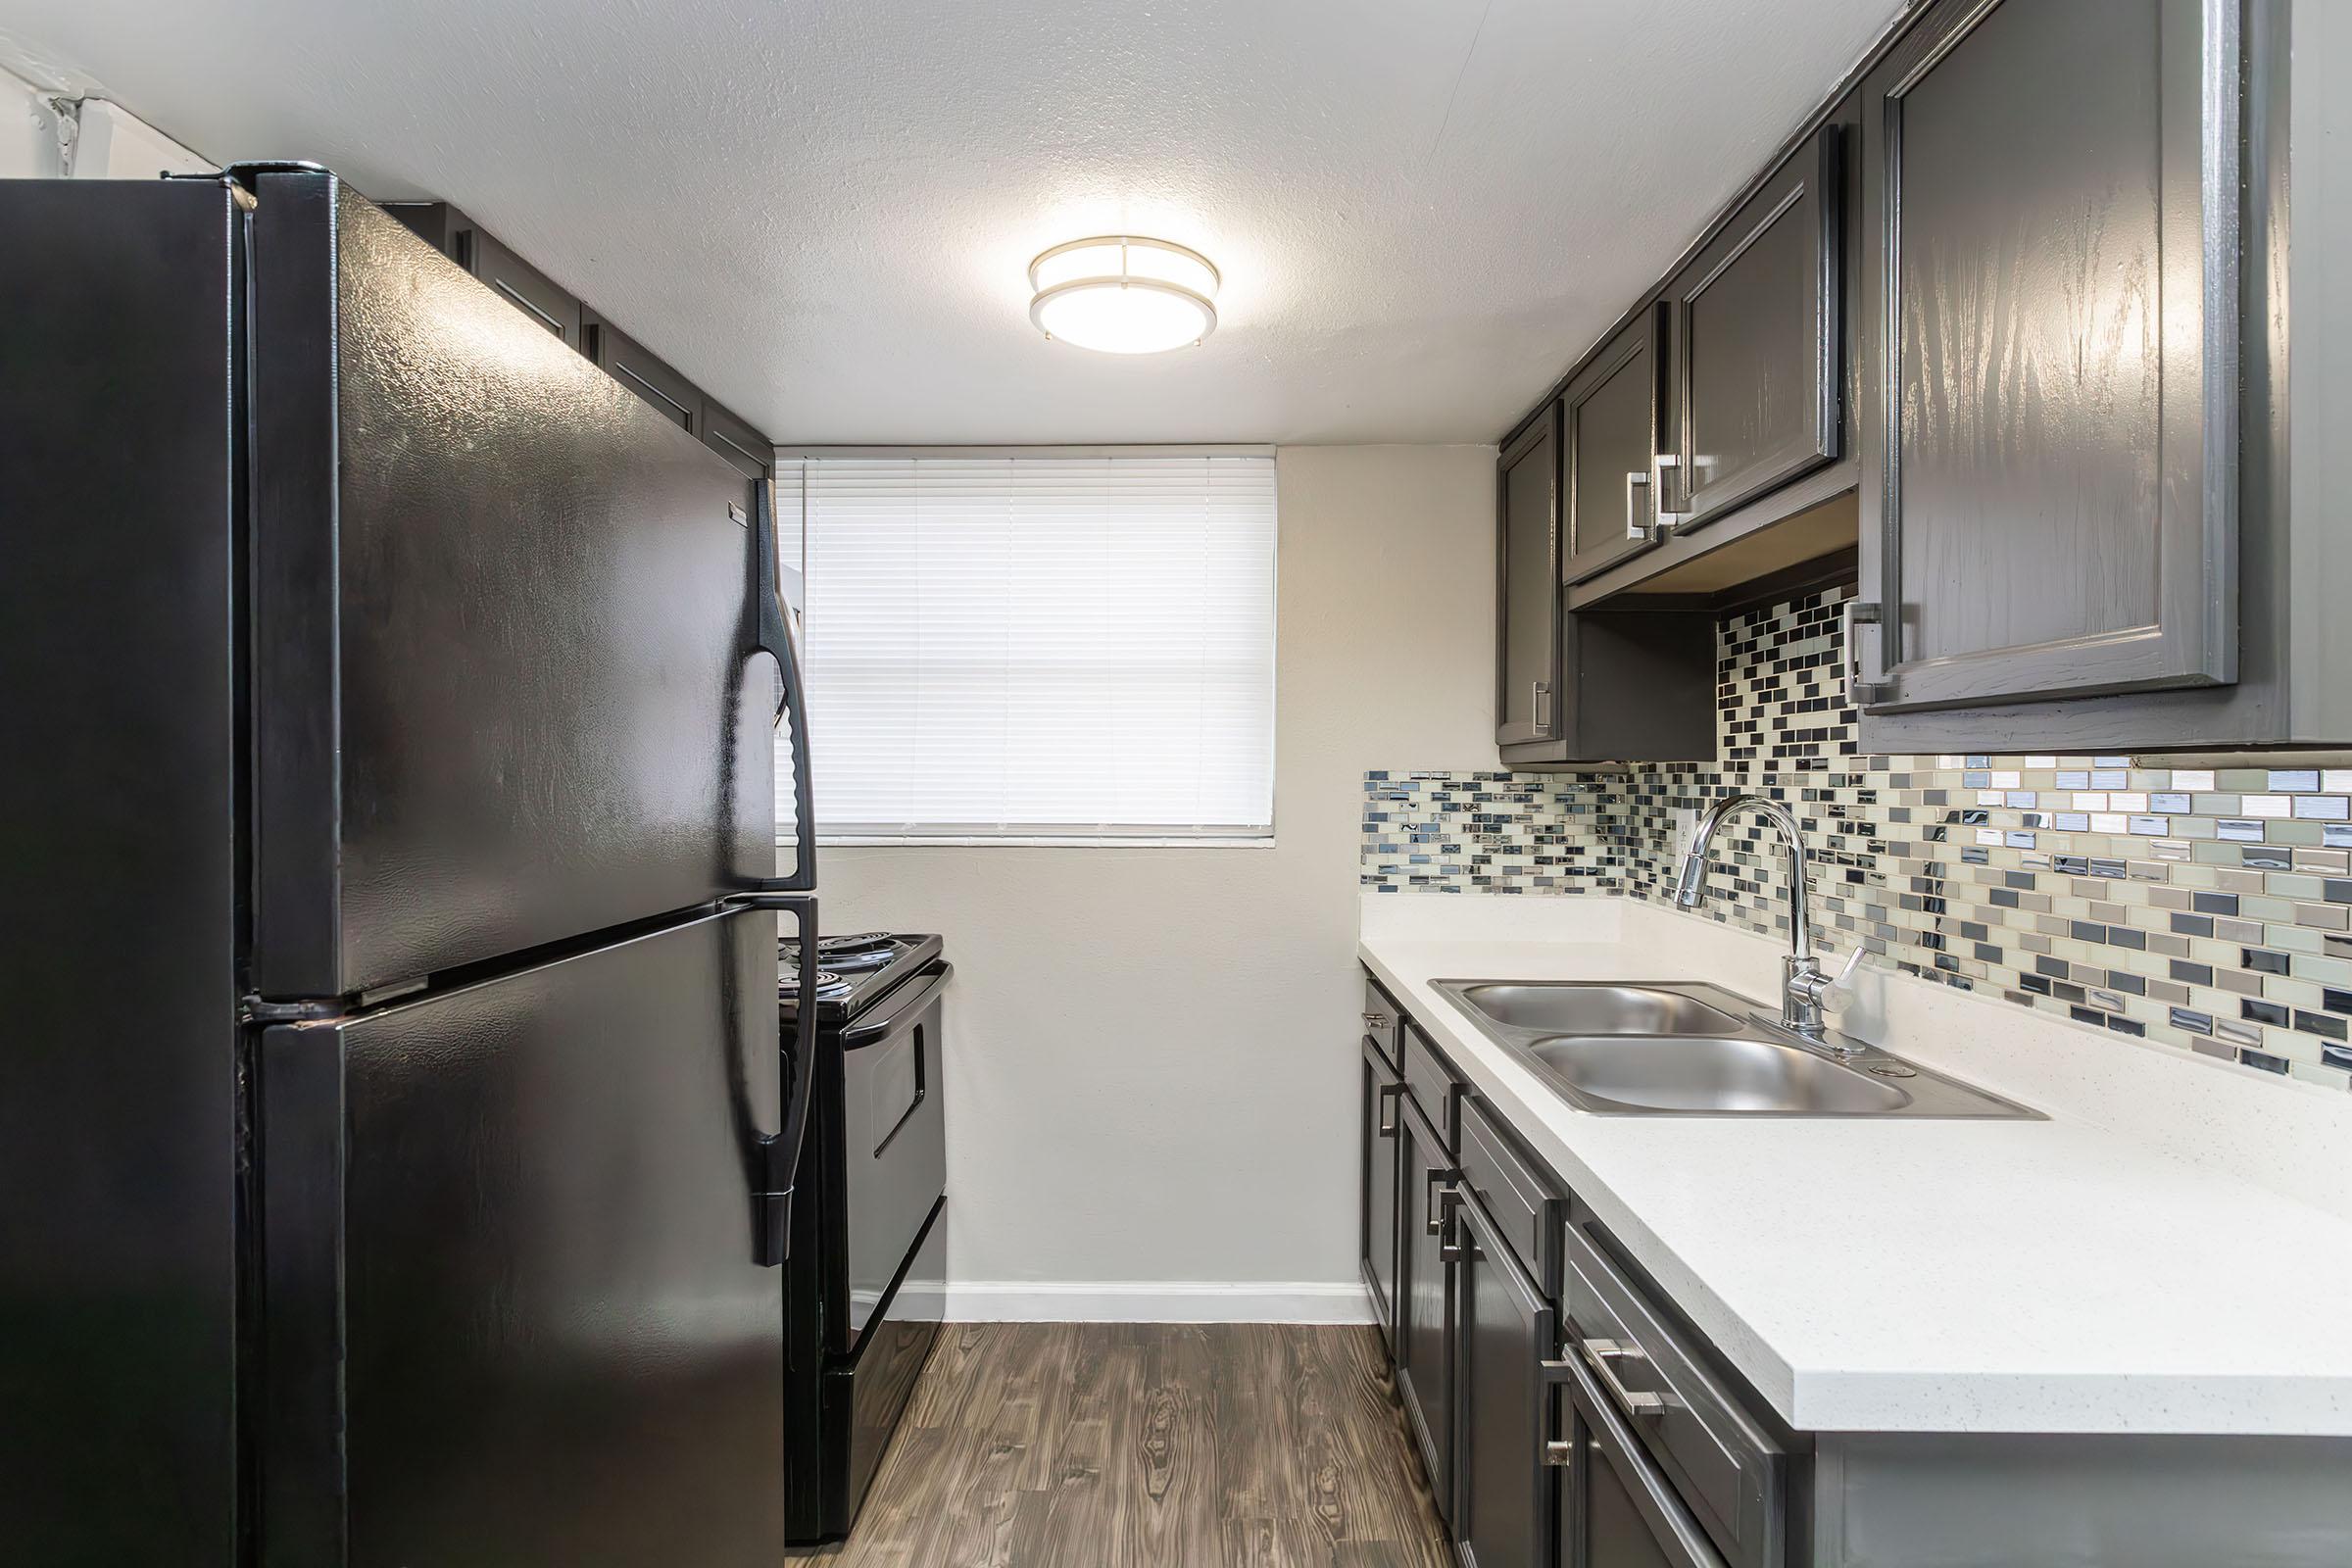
1149 1445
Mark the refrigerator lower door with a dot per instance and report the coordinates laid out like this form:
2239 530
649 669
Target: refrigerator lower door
507 681
515 1307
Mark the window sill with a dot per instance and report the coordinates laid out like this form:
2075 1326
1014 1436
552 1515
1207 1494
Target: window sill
1041 841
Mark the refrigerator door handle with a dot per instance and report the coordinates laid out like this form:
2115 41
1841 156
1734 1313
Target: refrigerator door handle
778 1154
776 634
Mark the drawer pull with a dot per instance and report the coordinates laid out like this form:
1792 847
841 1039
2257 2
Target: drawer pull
1560 1455
1600 1352
1377 1021
1442 1210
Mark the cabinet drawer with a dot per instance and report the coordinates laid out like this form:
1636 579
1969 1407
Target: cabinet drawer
1524 1205
1430 1080
1723 1464
1383 1021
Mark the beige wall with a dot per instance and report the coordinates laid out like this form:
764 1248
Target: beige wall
1150 1070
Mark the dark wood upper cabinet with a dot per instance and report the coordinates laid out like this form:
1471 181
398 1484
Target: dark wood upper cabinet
1527 590
619 355
1755 327
437 223
629 362
1611 417
522 286
751 453
1589 687
516 280
2050 468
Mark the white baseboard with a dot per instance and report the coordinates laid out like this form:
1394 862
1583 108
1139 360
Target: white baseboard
1157 1301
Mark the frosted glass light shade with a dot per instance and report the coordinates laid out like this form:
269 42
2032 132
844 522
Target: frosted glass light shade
1121 294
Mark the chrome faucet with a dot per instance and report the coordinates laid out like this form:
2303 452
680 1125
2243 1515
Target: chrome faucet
1803 985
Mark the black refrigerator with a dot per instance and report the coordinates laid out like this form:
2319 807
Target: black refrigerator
395 1146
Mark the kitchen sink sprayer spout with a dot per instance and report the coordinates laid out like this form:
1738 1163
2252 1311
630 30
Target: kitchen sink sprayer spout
1803 985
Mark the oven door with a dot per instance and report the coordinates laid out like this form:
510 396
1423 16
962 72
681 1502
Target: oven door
894 1150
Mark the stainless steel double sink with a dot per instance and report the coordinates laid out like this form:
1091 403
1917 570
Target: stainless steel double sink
1688 1048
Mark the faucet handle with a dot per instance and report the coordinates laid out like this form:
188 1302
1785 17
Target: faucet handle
1808 989
1816 984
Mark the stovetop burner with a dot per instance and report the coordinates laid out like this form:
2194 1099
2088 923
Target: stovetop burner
854 969
858 961
856 942
830 987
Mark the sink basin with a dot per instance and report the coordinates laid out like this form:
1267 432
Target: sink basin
1683 1048
1711 1074
1600 1009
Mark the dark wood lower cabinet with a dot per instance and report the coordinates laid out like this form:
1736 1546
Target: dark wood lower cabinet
1538 1459
1614 1508
1382 1109
1425 1295
1504 1332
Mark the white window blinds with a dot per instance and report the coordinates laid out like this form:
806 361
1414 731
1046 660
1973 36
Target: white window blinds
1038 646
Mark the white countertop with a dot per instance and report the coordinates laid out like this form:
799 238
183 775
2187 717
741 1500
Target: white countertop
2066 1275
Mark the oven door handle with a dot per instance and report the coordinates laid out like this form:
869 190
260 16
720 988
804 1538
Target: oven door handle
916 996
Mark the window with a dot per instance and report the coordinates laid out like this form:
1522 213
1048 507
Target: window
1038 647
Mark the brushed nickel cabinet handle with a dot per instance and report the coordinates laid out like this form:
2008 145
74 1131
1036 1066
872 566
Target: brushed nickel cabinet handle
1388 1109
1442 1204
1659 463
1599 1354
1635 528
1858 691
1540 703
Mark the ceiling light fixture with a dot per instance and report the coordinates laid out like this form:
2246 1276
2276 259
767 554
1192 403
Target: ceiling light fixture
1123 294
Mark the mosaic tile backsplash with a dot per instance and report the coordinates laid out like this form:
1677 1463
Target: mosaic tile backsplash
2206 908
1485 832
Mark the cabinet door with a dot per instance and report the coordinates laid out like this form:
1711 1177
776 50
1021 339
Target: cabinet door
1503 1331
1611 418
2051 210
732 439
1527 587
627 360
1755 329
1615 1510
522 286
1425 1296
1377 1189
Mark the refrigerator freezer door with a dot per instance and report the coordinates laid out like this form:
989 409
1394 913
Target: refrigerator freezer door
119 879
511 1263
505 691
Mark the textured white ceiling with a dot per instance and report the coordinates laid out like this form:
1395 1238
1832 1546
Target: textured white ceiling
822 210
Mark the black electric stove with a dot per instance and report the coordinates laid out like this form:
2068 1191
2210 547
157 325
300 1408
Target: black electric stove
866 1282
852 971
